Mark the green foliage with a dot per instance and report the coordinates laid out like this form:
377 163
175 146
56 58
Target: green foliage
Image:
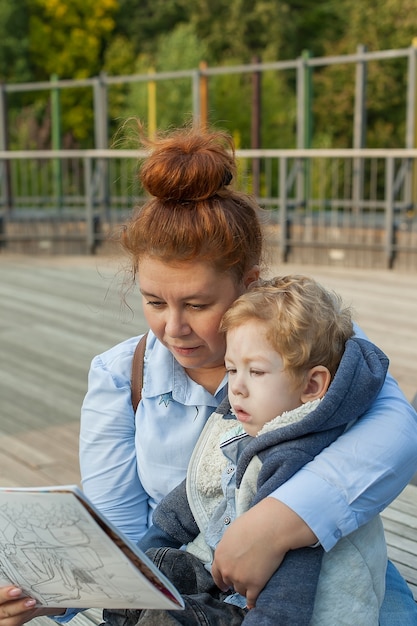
14 41
68 38
279 110
179 50
230 105
239 29
381 25
144 21
81 38
378 26
119 60
312 25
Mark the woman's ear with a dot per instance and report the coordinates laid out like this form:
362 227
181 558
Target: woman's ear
251 275
316 383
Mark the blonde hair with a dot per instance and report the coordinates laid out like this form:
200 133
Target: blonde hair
305 323
193 213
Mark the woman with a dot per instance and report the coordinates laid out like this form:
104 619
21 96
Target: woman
195 246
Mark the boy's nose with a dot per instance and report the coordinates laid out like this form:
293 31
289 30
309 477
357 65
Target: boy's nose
238 386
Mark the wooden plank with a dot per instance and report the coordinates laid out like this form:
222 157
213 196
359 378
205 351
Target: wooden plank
43 457
404 548
396 528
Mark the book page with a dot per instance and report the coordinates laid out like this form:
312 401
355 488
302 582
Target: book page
53 548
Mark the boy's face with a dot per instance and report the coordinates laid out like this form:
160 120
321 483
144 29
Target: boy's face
259 389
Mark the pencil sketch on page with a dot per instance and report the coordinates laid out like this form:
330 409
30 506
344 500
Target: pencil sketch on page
50 547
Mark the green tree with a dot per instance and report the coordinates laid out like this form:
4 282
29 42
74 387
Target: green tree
379 26
81 38
143 23
311 25
14 41
69 39
179 50
236 29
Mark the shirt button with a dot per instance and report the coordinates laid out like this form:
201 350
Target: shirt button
227 520
230 470
338 534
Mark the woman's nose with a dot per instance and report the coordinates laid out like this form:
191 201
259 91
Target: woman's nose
176 324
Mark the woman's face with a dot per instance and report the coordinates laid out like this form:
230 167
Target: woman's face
183 305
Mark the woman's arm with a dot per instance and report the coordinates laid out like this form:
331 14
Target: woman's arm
361 473
107 443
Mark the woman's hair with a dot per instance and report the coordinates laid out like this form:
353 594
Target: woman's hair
194 214
306 324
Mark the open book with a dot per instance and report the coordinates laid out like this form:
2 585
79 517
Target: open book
61 551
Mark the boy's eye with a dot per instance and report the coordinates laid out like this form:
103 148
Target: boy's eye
257 372
231 370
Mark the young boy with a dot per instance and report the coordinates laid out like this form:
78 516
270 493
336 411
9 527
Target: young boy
297 379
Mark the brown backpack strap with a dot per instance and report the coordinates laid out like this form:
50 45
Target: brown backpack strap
137 372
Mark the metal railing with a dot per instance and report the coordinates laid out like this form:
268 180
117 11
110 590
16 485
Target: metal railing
357 207
199 79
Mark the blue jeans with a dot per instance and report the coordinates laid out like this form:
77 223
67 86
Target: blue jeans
398 607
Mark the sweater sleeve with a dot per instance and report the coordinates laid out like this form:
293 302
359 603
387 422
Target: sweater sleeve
155 537
173 516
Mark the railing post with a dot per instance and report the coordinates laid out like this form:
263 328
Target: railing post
196 98
283 215
359 125
101 139
151 104
304 125
389 213
89 205
411 132
100 111
256 126
56 139
203 87
5 175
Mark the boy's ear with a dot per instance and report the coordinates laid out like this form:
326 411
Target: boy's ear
316 383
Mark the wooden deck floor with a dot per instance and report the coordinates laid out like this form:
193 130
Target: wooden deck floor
54 316
56 313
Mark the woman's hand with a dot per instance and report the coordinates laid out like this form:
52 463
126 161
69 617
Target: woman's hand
254 546
17 609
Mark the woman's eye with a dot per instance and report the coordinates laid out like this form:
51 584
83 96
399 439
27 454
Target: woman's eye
196 307
230 370
257 372
155 303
